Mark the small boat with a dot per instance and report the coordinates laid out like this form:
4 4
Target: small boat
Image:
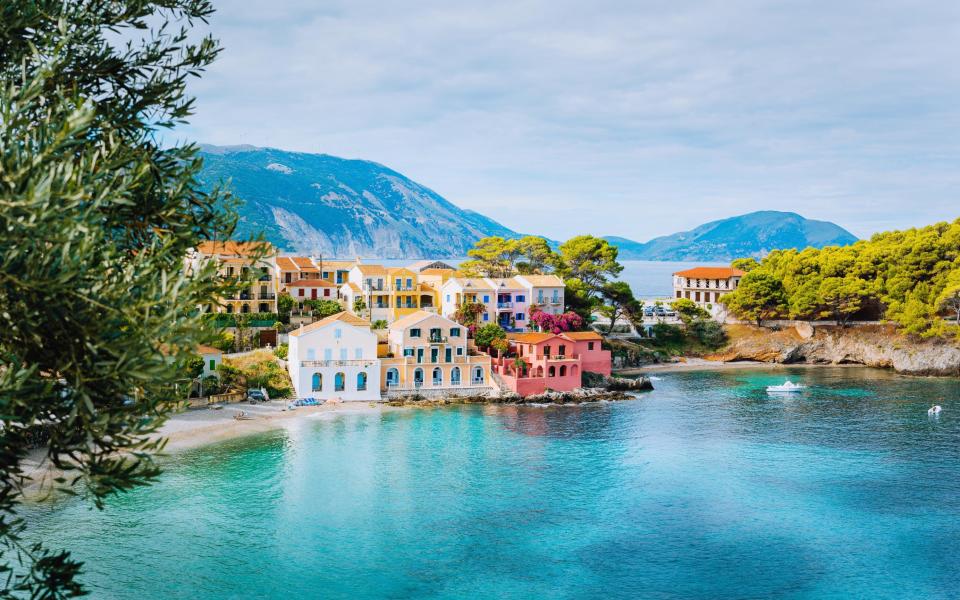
788 386
934 410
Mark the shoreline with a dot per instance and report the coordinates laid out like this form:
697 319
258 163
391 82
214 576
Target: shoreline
702 364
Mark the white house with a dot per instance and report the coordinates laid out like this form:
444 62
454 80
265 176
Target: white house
335 357
460 290
212 357
544 291
507 301
705 285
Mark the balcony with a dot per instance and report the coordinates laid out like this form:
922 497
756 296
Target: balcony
476 382
504 304
267 296
438 339
338 363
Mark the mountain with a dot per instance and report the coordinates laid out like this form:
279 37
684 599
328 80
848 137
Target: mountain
754 234
321 204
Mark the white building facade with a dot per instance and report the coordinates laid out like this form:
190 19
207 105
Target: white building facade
335 357
507 302
705 285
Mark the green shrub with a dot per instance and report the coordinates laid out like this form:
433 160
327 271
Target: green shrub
282 350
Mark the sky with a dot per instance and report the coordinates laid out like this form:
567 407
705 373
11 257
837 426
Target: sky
629 118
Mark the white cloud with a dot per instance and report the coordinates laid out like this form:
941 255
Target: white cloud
626 118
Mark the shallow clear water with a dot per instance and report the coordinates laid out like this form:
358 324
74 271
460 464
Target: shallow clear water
704 488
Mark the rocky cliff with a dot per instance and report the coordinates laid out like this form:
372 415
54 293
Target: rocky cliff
870 345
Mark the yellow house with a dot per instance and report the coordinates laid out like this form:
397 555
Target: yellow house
430 355
251 261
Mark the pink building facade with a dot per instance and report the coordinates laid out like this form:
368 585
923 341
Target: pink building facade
550 361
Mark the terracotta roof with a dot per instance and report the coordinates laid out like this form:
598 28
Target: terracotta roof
508 283
306 283
472 283
582 335
531 337
711 273
353 286
412 319
304 263
285 264
234 248
392 270
342 265
343 317
542 280
204 349
371 269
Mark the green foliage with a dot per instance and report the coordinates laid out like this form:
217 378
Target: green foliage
688 310
468 313
258 370
281 351
590 260
378 324
194 366
666 333
486 335
903 276
285 304
325 308
618 302
98 216
745 264
224 341
499 257
708 332
759 297
358 305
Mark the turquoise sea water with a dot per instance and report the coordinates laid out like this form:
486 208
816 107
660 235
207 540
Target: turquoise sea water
704 488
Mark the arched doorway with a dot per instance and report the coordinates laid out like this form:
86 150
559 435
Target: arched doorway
477 376
563 370
361 381
418 377
552 371
437 377
316 385
455 376
339 382
393 377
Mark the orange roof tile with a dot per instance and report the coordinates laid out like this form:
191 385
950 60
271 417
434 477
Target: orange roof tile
582 335
234 247
531 337
306 283
343 317
304 263
711 273
285 264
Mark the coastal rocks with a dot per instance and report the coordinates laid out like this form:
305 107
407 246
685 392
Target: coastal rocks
577 396
616 384
868 345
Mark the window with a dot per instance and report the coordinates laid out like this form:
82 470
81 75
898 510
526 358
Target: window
408 351
486 317
358 353
300 292
556 295
486 298
311 354
477 376
448 354
519 317
393 377
338 333
563 370
459 350
552 371
546 350
455 376
418 377
327 354
590 345
454 332
343 354
213 364
339 382
317 384
540 296
520 298
409 283
436 334
361 381
415 332
448 297
437 376
562 350
398 282
326 293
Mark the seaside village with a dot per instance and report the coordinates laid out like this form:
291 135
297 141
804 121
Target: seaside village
397 332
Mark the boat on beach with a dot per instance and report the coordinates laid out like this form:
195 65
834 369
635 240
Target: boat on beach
787 387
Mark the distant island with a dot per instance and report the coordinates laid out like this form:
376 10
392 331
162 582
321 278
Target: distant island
319 204
751 235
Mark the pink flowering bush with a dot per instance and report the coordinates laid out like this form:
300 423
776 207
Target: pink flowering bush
567 321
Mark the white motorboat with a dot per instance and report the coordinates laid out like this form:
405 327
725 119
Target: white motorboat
934 410
787 387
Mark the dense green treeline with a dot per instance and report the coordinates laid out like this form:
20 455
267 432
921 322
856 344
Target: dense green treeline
911 278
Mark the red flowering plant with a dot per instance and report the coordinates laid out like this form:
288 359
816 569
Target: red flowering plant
544 321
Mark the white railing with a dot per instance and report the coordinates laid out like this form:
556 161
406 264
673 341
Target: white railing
337 363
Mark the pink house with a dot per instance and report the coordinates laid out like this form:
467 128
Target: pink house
550 361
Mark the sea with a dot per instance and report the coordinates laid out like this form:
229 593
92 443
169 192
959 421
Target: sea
706 487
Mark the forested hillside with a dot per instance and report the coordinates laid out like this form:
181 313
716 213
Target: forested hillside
910 277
